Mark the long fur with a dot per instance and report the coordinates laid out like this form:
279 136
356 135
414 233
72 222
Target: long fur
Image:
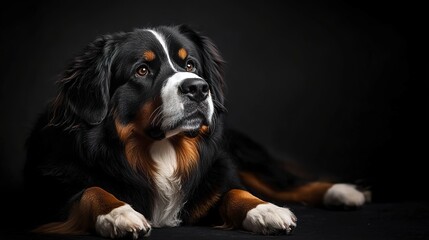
92 149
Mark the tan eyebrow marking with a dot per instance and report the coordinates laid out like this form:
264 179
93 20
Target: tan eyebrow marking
149 55
182 53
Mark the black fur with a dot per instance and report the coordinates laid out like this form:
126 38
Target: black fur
74 144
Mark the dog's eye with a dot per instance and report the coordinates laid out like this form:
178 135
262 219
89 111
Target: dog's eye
142 71
190 66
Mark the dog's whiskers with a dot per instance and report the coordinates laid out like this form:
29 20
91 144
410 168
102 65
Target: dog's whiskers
158 115
156 109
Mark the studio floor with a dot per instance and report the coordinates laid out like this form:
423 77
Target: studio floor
399 220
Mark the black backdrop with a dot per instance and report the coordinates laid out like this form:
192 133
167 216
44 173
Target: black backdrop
340 87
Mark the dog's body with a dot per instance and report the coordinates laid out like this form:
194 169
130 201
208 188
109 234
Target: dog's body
135 139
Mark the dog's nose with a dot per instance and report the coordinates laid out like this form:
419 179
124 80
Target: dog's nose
195 88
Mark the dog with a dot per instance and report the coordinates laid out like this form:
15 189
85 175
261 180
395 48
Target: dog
135 140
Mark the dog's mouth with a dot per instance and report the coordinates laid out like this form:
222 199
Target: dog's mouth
189 125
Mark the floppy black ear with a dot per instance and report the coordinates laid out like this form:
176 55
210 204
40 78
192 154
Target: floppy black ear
212 61
84 87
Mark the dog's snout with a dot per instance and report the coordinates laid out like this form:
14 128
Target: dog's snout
195 88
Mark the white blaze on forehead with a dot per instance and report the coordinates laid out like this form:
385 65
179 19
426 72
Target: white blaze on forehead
161 40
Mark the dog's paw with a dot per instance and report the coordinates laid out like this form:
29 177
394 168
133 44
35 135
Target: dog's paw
122 221
343 195
268 218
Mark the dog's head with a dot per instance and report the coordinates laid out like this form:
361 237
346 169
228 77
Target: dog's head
164 81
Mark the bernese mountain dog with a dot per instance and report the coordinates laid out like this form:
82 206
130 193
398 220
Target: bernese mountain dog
135 140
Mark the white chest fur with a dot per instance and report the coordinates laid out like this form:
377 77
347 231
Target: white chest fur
168 197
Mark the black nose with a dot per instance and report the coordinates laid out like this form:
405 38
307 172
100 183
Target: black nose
195 88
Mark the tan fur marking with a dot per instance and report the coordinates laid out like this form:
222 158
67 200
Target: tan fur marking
311 193
149 55
94 201
204 130
235 205
203 207
187 151
124 131
187 154
137 144
137 152
182 53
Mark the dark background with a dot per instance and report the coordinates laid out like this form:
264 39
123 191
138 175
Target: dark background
340 87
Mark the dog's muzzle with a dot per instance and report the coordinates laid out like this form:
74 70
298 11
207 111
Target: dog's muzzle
187 105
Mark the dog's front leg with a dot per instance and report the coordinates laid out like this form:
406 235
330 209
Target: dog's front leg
240 209
98 210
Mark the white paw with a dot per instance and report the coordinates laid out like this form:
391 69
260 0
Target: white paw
122 221
343 195
268 218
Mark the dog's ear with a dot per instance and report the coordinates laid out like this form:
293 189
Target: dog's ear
84 87
212 61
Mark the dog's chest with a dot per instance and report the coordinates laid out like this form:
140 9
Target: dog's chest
168 198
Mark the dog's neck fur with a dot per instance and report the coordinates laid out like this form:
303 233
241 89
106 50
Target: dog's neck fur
168 198
167 164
